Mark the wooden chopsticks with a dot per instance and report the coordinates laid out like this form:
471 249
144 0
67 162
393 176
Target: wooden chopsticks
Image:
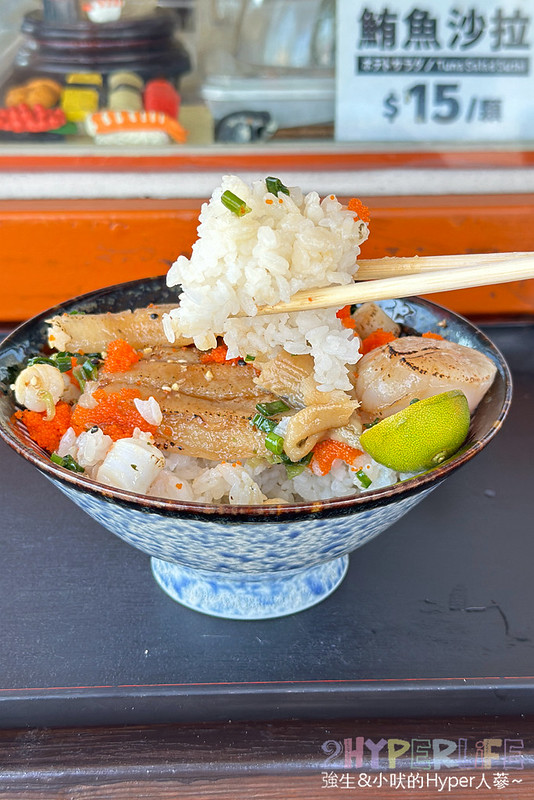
378 268
384 278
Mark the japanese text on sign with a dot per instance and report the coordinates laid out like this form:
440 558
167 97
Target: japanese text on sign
420 72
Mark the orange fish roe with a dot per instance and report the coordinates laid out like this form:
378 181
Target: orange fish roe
356 205
70 374
115 413
346 318
376 339
120 356
326 452
46 432
217 356
430 335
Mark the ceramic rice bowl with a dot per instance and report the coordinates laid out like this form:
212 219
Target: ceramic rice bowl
248 562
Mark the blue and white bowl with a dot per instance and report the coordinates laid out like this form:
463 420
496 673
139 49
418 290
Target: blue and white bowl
248 562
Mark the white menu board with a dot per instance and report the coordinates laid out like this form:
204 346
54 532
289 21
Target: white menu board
434 71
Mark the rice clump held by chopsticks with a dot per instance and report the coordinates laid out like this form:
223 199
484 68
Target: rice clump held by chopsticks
285 243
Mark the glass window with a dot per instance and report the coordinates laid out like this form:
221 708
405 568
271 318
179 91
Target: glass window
322 79
118 117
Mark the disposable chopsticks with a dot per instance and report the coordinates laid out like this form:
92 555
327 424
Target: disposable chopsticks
412 276
377 268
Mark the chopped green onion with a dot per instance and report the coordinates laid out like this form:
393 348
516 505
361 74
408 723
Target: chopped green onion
48 400
275 185
364 479
415 400
63 361
90 370
67 462
250 358
263 424
274 443
371 424
294 468
80 376
40 360
234 203
86 370
270 409
72 313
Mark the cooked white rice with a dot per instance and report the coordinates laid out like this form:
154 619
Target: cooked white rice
239 263
195 479
284 244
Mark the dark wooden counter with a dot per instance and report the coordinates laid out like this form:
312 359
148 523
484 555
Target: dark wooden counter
286 760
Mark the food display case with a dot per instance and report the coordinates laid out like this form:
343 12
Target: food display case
254 89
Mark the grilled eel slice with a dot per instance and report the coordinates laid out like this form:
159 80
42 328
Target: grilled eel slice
91 333
207 408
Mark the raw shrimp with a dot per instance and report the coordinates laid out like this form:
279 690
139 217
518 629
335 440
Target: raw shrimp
409 368
131 464
39 387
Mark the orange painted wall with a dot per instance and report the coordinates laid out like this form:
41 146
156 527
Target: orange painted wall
53 250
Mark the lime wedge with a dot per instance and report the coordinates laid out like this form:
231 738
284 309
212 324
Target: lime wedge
422 435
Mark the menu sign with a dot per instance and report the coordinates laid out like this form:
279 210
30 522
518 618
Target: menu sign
435 71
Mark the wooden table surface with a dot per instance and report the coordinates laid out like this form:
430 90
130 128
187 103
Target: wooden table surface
494 757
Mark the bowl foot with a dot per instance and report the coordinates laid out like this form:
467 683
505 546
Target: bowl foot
241 595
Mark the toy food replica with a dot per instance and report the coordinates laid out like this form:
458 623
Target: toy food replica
125 91
38 91
160 95
128 127
81 96
23 119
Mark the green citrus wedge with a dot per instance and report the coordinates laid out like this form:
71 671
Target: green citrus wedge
420 436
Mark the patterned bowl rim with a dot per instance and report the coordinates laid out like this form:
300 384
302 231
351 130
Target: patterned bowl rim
14 437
